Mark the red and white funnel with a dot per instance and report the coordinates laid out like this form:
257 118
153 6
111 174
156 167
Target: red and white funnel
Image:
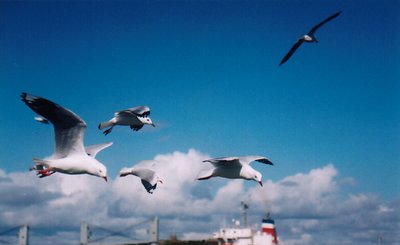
268 227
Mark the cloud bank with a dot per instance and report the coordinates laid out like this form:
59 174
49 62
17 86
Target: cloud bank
307 207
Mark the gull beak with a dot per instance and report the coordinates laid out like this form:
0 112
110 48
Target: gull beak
153 125
260 182
105 178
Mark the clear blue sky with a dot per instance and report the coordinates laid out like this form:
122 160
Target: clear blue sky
209 72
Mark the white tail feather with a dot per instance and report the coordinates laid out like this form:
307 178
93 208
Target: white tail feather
104 125
206 174
125 172
41 162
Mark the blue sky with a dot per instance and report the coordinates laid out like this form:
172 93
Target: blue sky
209 72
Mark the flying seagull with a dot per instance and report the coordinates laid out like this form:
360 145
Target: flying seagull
134 117
148 177
70 156
235 168
309 37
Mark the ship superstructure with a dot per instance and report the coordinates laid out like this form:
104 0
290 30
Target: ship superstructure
246 236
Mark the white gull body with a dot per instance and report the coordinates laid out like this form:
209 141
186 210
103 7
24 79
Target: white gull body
135 117
41 120
235 168
70 156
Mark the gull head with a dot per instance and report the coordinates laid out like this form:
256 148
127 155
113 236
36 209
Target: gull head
146 120
258 178
99 170
249 173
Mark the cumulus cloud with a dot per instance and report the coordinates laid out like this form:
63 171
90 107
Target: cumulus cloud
312 192
307 206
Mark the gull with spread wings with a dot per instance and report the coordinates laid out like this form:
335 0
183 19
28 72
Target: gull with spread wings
135 117
309 37
146 173
70 156
235 168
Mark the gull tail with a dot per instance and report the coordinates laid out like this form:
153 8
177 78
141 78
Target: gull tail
104 125
125 171
40 163
206 175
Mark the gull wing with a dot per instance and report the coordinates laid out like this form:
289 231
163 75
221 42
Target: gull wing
225 161
249 159
148 186
94 149
128 115
315 28
69 128
138 111
292 50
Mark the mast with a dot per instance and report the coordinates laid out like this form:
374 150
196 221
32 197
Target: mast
245 206
379 240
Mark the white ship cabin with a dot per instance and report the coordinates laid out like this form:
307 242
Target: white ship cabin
246 236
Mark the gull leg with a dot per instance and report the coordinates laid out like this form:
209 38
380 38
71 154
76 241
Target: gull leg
108 130
45 172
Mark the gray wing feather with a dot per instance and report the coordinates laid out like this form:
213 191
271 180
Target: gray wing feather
249 159
291 51
94 149
224 161
315 28
69 128
138 111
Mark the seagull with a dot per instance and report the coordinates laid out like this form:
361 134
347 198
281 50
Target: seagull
70 156
134 117
309 37
235 168
148 177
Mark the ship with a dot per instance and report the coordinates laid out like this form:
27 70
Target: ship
266 235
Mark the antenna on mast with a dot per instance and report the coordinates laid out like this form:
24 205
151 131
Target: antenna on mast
379 240
245 206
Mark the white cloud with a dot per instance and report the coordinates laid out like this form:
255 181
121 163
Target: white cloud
307 206
312 193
